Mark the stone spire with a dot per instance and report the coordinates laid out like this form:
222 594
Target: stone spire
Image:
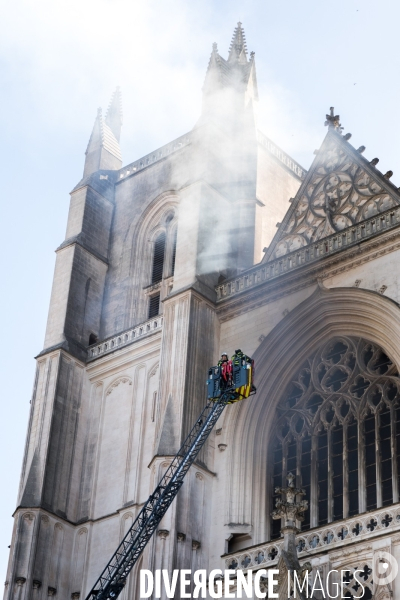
230 84
114 114
103 151
238 48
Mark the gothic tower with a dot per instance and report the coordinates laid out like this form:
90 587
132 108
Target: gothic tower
167 261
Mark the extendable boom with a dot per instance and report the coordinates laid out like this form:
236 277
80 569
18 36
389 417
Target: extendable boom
112 580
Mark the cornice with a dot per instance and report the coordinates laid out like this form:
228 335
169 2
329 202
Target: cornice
308 275
198 289
70 348
78 241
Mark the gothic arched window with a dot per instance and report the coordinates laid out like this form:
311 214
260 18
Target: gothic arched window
337 429
174 238
158 258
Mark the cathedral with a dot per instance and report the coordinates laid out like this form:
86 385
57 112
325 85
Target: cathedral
218 240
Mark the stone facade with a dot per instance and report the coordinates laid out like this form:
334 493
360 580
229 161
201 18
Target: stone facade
119 382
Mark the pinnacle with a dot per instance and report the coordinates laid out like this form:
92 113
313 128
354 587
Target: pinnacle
114 113
333 121
238 47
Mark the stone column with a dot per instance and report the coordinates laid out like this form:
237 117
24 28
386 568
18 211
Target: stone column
189 346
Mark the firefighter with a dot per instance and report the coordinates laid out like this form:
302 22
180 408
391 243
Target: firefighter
226 370
239 358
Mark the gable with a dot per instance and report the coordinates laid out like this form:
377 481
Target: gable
341 189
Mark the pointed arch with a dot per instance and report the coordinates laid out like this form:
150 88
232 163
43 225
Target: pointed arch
138 253
116 382
326 314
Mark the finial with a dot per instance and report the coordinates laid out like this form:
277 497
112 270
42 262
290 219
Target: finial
333 121
290 479
215 47
290 510
238 48
114 113
99 111
252 55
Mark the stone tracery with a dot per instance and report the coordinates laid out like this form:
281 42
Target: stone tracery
357 578
339 195
336 428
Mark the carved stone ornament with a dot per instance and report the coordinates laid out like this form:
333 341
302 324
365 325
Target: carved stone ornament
181 537
75 595
290 510
196 545
352 587
332 120
28 517
346 378
36 584
383 594
117 382
154 370
339 194
51 591
346 382
222 447
20 580
163 533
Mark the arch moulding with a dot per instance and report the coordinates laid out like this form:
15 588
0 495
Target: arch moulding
325 314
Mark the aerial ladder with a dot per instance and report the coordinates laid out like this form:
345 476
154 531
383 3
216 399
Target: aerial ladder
228 382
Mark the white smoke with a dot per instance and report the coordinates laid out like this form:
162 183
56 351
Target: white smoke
61 60
73 53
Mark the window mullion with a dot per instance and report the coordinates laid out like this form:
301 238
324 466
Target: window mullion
345 472
393 446
378 459
330 477
314 483
298 472
362 500
284 463
284 470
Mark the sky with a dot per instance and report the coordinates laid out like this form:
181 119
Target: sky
62 59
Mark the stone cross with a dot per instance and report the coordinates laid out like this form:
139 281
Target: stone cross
333 121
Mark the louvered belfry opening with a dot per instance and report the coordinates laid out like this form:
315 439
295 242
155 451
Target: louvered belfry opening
158 258
174 251
342 405
154 306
